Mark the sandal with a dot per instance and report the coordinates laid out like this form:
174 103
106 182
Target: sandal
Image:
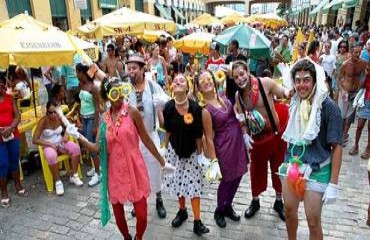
23 192
5 202
366 154
353 151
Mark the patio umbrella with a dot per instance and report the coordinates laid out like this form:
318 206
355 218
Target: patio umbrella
206 19
249 38
198 42
152 36
30 43
232 19
125 21
269 20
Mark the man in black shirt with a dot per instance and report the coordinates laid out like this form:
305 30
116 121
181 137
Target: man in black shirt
234 55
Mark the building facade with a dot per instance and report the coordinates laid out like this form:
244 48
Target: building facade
70 14
331 12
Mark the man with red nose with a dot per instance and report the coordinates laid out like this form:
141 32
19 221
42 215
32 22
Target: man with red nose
265 121
312 162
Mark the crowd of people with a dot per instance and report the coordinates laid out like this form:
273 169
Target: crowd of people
222 116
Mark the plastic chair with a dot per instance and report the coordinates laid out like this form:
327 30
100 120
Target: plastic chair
48 176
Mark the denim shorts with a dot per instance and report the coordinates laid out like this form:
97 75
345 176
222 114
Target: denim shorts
9 157
88 127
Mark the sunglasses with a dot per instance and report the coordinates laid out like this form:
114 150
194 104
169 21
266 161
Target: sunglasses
116 92
342 46
205 80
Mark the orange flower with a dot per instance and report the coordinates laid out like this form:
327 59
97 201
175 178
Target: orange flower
188 118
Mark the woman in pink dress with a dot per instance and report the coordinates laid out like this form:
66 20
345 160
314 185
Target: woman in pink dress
118 141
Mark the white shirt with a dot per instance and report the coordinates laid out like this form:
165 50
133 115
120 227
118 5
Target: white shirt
172 54
328 63
22 87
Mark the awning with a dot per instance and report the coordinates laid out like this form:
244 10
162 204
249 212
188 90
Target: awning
108 4
163 11
350 3
333 5
178 13
318 8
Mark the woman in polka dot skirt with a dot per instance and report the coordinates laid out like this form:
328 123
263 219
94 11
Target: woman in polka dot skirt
183 125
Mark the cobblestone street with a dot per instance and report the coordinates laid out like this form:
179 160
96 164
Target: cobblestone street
76 214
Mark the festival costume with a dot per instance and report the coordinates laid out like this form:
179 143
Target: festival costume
187 181
145 103
230 151
266 147
312 129
125 177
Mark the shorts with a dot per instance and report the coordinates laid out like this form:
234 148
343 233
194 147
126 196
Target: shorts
364 112
319 180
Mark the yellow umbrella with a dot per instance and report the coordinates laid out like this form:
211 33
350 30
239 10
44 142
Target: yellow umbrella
31 43
125 21
268 19
152 36
232 19
298 40
195 42
206 19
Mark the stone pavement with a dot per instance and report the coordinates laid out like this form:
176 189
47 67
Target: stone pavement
76 214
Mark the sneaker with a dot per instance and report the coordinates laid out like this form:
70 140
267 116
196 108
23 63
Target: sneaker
91 172
76 180
94 180
59 189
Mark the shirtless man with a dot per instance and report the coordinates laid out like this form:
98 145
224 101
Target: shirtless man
267 144
351 78
111 65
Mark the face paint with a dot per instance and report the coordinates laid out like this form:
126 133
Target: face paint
179 84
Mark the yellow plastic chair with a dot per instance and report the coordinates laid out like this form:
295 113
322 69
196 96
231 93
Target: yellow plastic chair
48 176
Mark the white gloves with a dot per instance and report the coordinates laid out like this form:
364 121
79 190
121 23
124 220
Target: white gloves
159 100
248 141
72 130
331 193
202 160
169 168
240 117
213 172
286 75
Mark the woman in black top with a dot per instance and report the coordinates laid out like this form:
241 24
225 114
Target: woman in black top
183 123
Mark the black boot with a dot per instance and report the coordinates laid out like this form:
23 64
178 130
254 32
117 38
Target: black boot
230 213
160 208
279 208
253 208
128 238
220 219
181 216
199 228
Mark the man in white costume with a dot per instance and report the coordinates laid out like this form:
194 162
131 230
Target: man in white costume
148 97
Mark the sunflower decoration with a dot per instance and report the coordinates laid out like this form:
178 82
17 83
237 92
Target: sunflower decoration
188 118
220 76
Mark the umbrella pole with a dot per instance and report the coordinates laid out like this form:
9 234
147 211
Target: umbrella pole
33 94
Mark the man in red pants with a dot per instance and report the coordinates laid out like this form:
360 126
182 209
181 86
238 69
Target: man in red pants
265 121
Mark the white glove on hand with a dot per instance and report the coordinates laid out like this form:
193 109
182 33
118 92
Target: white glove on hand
158 100
202 160
331 193
169 168
72 130
213 172
248 141
286 75
240 117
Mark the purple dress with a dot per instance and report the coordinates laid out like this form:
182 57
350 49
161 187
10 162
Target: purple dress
228 141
